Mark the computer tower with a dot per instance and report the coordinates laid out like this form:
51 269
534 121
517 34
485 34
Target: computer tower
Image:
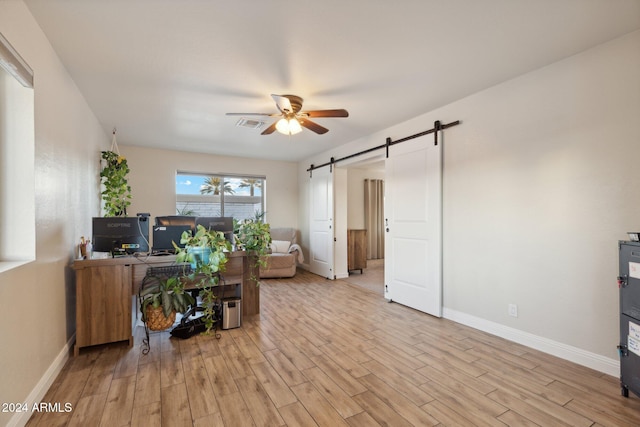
231 313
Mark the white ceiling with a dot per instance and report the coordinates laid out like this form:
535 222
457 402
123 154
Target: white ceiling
165 72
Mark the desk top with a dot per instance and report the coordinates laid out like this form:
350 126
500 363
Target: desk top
80 264
239 270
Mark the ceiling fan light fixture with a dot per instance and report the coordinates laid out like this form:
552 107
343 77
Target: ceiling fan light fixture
294 126
288 127
292 119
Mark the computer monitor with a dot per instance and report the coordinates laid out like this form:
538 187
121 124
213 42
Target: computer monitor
165 235
217 223
177 220
121 235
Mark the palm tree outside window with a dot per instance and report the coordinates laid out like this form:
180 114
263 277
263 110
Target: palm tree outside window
240 197
252 184
213 184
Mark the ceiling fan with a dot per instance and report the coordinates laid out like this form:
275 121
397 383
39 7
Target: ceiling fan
293 119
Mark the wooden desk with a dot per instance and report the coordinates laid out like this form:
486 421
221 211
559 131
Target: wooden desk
105 288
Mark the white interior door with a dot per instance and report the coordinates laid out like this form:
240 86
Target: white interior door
321 233
413 216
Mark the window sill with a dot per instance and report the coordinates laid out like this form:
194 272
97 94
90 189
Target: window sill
10 265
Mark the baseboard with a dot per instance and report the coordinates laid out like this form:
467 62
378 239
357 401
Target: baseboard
20 419
307 267
573 354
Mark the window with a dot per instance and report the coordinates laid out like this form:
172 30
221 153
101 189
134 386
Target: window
240 197
17 174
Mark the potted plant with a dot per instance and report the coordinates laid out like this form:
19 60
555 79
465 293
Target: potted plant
160 299
117 192
253 236
206 252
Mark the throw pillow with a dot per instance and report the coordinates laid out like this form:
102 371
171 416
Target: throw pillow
280 246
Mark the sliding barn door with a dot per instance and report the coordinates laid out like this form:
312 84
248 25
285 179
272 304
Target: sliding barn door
321 233
413 223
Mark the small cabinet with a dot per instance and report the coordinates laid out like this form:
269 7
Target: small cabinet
356 250
103 305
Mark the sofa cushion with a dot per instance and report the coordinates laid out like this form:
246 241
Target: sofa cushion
280 260
280 246
284 233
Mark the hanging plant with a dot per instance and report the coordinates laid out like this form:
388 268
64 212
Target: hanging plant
117 192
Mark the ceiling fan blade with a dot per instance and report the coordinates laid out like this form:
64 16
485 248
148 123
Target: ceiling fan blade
283 103
270 129
313 126
327 113
251 114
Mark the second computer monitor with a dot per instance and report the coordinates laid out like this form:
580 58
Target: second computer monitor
219 223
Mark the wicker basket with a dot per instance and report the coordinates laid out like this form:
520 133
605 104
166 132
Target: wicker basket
156 320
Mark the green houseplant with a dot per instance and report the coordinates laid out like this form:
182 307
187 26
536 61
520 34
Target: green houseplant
206 252
253 236
117 191
160 299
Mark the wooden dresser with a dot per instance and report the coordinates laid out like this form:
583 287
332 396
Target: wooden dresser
356 250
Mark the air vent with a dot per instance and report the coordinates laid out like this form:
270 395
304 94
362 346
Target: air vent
249 123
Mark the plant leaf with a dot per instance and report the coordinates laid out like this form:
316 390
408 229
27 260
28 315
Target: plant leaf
167 305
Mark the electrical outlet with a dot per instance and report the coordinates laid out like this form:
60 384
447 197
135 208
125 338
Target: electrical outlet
513 310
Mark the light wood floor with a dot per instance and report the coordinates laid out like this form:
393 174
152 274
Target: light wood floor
372 277
330 354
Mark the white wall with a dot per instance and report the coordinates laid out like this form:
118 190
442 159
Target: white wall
153 180
540 182
37 300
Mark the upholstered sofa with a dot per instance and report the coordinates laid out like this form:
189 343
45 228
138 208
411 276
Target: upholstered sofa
285 254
